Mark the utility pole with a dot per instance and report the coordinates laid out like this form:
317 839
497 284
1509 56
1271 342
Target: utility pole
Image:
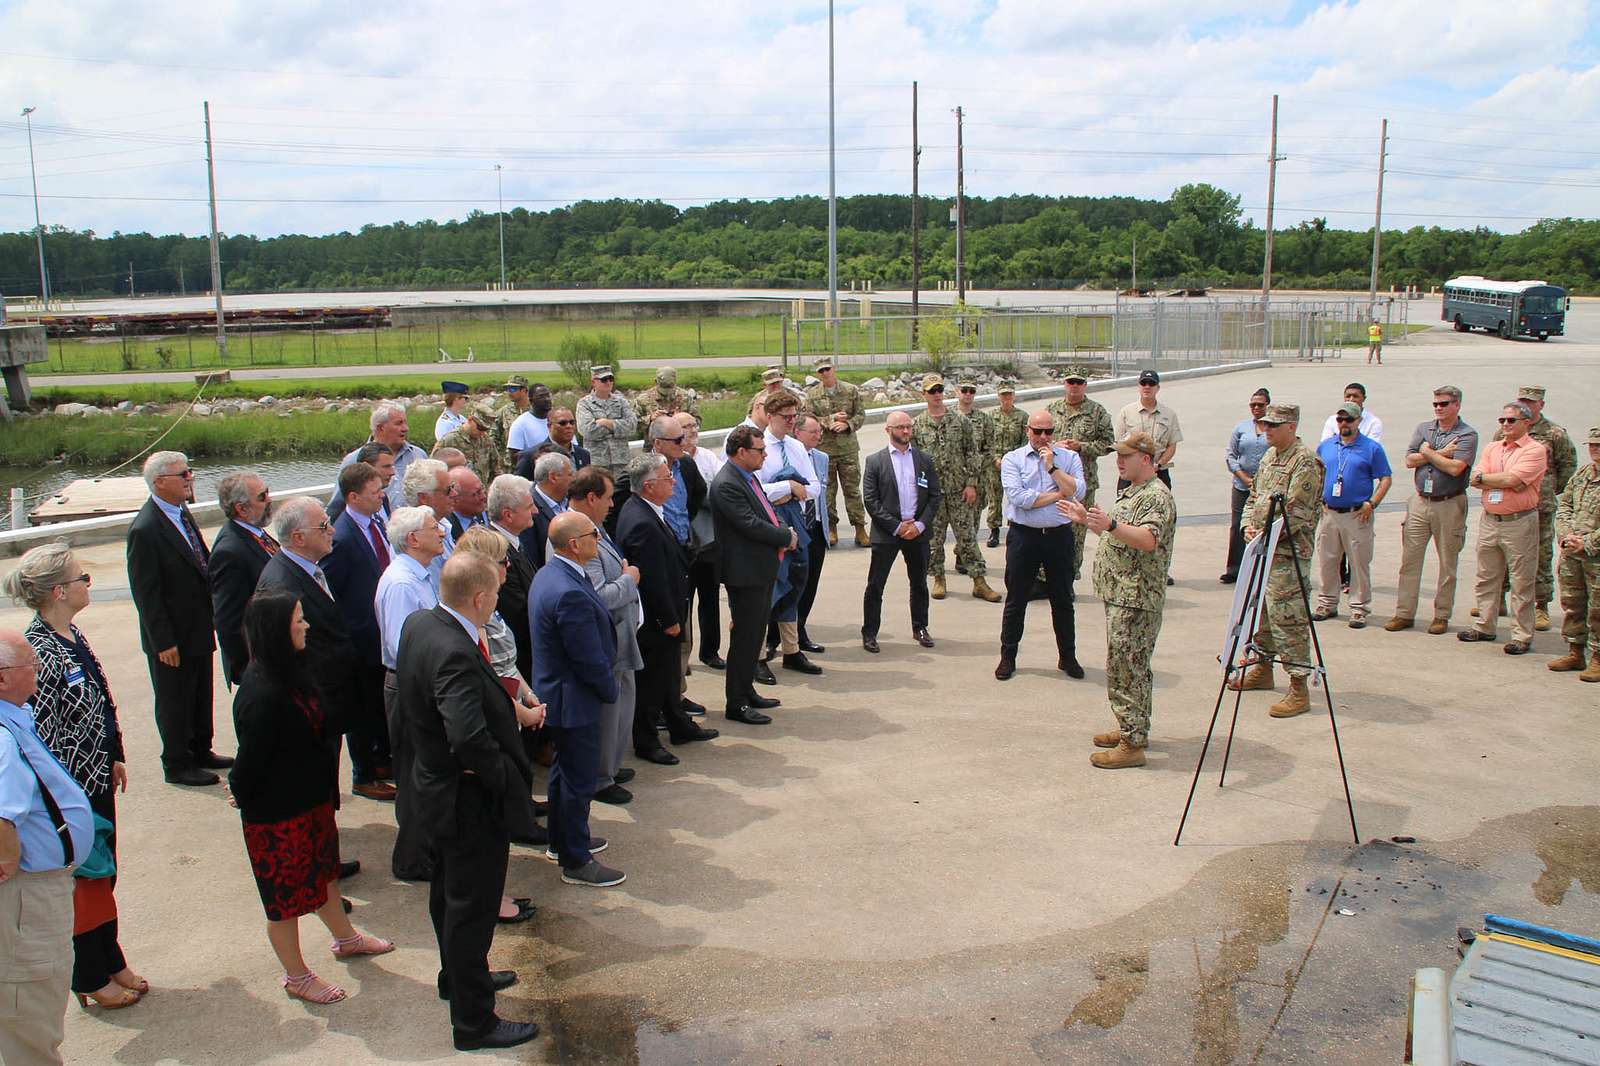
1135 264
500 199
916 219
216 256
961 217
38 226
833 201
130 278
183 290
1272 190
1377 221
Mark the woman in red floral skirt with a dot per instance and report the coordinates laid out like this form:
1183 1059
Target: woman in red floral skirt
283 783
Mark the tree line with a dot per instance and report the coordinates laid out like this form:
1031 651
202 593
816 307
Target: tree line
1196 237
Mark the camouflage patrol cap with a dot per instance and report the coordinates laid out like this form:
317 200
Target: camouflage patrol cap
1279 413
931 380
1137 442
1075 377
666 375
1531 392
1006 387
825 363
967 381
1594 434
601 373
771 374
514 382
482 414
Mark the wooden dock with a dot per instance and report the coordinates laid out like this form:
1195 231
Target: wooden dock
92 498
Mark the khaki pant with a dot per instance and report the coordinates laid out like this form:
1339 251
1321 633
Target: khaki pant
35 964
1507 544
1344 535
1444 523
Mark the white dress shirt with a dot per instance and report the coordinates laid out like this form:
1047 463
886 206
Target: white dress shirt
783 452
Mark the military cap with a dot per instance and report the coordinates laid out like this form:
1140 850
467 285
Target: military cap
825 363
931 381
1594 434
514 382
1279 413
666 375
1531 392
1076 376
1350 408
771 374
601 373
967 382
1137 442
482 414
1149 377
453 388
1007 386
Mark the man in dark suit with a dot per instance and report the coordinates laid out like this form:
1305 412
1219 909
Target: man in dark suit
573 652
552 476
563 428
381 458
648 543
665 437
168 573
241 549
472 784
510 511
901 491
469 496
750 541
359 557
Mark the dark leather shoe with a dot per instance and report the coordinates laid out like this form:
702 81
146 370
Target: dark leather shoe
748 715
811 647
212 761
1007 667
659 756
691 708
624 775
348 868
1229 579
764 674
1070 665
716 662
762 703
994 538
375 790
504 1034
537 837
192 776
541 808
770 654
800 664
698 733
870 644
422 873
499 980
614 794
922 637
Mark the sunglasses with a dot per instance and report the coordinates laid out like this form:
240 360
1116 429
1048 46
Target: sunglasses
1343 418
1507 421
84 577
964 389
935 390
756 448
186 472
606 379
1045 430
1258 403
1442 403
565 422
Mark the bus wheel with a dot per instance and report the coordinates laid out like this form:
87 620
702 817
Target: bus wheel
1461 327
1505 332
1544 336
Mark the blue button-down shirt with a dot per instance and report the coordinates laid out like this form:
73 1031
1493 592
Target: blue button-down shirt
1024 479
22 804
404 588
675 512
1352 469
1246 446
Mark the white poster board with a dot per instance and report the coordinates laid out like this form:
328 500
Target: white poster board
1249 595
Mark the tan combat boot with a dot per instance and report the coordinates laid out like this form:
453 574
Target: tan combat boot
1592 672
1298 701
1258 676
1108 740
862 540
1573 660
938 592
833 536
982 591
1123 755
1541 618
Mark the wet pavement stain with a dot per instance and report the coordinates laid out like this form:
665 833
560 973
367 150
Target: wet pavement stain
1122 978
1569 847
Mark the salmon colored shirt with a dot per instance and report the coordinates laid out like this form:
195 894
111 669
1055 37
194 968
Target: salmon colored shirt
1527 459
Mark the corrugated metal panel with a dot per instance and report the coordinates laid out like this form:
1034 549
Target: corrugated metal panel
1514 1004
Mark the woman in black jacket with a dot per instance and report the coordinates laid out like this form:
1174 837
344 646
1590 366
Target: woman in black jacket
283 784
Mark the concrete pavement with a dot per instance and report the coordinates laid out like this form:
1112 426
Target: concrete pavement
916 862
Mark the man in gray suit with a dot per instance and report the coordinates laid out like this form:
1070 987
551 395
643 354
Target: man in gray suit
617 584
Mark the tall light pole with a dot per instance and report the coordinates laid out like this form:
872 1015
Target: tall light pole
38 226
499 195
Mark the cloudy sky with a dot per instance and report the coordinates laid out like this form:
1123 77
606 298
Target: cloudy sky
329 117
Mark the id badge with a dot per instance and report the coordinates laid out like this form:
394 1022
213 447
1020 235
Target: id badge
1495 496
922 481
1427 483
75 676
1338 488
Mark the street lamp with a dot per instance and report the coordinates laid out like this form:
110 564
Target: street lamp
499 195
38 226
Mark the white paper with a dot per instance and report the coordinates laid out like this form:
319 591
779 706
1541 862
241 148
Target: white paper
1248 603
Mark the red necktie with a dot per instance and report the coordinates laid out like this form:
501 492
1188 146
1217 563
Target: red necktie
766 505
483 649
378 546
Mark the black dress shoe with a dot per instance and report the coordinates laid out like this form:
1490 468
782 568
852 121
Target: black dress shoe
922 637
659 756
1229 579
192 776
499 980
798 662
504 1034
770 654
538 837
994 538
1070 665
624 775
348 868
810 646
690 736
748 715
613 794
691 708
1006 667
762 703
421 873
870 644
540 808
212 761
715 661
764 674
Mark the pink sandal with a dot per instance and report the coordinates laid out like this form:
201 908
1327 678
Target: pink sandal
300 988
348 947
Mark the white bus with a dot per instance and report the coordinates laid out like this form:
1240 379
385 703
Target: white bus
1509 308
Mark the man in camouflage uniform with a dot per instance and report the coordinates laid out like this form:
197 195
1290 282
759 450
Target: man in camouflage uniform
513 402
947 437
1010 432
1130 577
839 407
664 398
1291 469
983 442
606 422
1084 426
772 382
1562 461
475 440
1577 524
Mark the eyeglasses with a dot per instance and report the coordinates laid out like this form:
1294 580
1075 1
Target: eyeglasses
1507 421
84 577
262 495
936 390
667 478
756 448
185 472
564 422
1044 429
323 526
672 440
1343 418
595 533
1442 403
785 416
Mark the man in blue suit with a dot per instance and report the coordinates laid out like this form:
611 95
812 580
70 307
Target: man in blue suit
359 557
574 650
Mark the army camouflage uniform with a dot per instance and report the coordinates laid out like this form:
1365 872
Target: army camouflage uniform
1285 633
842 449
1133 586
1090 425
664 397
1579 512
983 434
486 459
506 412
1010 433
1562 460
949 441
608 447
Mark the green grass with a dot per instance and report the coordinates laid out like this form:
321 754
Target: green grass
114 438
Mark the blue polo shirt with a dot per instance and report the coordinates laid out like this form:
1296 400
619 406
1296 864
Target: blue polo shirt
1351 470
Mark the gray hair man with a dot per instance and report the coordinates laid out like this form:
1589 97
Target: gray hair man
238 556
427 484
389 426
1509 473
